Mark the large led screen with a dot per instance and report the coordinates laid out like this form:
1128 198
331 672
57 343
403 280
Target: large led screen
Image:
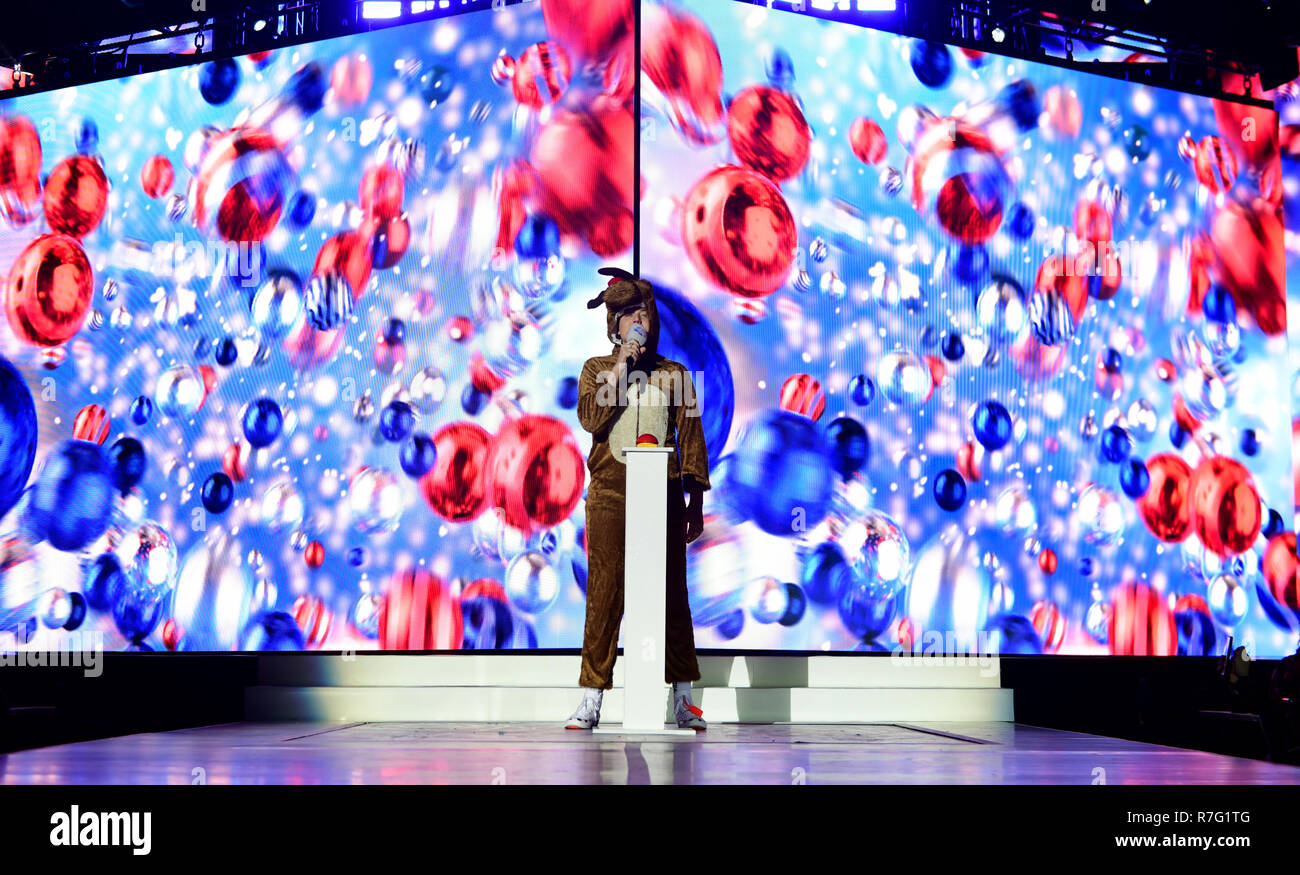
991 355
1006 343
283 334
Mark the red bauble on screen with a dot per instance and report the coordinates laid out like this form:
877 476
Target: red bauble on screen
542 75
535 472
585 179
591 31
49 291
350 254
1225 506
419 613
1252 260
802 394
240 186
1280 569
768 132
1166 506
680 58
76 196
739 232
1140 623
381 191
91 424
868 141
454 488
313 617
157 176
20 169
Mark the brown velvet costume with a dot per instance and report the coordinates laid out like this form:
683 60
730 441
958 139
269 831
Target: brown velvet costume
600 409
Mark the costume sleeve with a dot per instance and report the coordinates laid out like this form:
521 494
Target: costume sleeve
690 436
594 416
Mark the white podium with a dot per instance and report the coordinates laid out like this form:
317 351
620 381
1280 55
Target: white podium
645 572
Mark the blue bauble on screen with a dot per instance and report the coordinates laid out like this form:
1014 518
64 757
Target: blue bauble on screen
103 580
72 503
17 435
685 336
1012 634
825 573
849 445
272 630
866 609
137 611
218 80
931 62
781 474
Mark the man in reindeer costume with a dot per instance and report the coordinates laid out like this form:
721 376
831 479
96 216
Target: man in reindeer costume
622 396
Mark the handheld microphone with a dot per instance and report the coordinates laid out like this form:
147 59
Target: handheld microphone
638 335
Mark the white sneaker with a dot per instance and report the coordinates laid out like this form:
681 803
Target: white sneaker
688 716
588 714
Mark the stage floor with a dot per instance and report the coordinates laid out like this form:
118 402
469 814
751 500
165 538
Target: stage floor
532 753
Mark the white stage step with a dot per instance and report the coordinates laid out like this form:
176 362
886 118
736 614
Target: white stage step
555 704
368 668
466 687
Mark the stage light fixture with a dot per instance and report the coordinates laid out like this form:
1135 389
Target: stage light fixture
381 9
999 34
259 24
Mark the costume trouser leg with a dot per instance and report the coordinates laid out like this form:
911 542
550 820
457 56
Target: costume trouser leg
605 552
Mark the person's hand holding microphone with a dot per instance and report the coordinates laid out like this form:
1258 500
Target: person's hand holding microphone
632 348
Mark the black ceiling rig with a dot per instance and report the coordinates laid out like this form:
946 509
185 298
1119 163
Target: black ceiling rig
1188 45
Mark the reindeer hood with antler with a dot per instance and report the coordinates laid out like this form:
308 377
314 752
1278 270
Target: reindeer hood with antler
626 292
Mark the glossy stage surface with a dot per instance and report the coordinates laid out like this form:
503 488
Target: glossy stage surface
532 753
